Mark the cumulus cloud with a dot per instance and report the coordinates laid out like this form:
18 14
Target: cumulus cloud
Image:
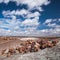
59 20
48 21
29 25
26 14
52 22
30 3
17 26
10 24
33 3
29 22
52 25
35 14
17 12
29 29
1 1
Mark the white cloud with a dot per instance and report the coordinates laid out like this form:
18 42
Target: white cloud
33 3
59 20
21 12
1 1
14 24
49 32
48 21
31 30
6 1
30 3
44 32
30 22
52 25
35 14
54 30
29 25
9 23
4 32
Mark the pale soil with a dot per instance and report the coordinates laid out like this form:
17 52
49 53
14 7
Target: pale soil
46 54
10 44
6 44
29 38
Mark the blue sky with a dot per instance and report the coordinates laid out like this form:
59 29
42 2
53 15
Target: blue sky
29 17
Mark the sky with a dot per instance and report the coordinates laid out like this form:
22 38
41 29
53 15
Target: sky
29 17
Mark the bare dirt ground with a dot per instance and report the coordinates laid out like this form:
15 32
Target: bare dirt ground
46 54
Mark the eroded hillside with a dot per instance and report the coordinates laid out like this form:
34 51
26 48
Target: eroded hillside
19 48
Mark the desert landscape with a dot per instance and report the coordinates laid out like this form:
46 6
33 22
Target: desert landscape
29 29
15 46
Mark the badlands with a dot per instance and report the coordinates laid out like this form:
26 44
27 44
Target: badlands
12 47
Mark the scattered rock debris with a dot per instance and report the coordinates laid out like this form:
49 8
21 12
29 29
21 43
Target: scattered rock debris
29 46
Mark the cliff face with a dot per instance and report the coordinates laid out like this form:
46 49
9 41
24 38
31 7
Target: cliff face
46 54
